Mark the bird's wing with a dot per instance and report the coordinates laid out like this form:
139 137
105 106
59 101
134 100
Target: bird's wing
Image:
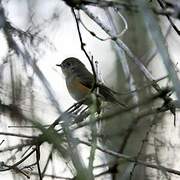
108 95
86 78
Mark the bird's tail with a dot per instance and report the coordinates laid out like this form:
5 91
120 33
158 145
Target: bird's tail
108 95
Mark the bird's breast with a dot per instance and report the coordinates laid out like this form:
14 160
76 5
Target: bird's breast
76 89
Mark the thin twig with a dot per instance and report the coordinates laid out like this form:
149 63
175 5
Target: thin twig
169 18
133 159
37 160
83 49
17 135
143 144
47 162
7 167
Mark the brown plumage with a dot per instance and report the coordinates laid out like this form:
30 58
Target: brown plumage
80 81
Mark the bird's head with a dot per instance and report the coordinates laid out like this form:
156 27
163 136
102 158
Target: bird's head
70 65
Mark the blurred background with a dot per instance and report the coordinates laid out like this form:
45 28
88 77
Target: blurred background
134 43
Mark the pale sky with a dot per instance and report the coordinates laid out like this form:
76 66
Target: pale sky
62 33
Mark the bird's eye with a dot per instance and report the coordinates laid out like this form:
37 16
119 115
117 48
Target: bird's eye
68 64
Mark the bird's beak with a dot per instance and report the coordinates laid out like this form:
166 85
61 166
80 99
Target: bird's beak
59 65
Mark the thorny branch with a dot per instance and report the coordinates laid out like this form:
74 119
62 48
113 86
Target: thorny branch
47 133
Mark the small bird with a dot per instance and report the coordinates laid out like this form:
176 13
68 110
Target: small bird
80 81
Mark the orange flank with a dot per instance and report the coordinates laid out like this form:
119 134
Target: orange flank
77 89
